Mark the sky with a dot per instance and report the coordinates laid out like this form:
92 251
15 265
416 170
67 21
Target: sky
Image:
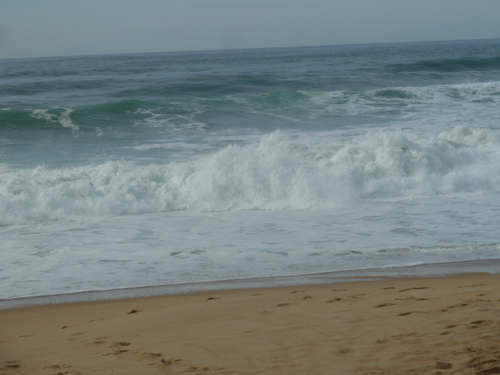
39 28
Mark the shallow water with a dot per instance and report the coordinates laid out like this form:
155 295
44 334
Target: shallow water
139 170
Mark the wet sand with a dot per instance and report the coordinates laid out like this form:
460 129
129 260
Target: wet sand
447 325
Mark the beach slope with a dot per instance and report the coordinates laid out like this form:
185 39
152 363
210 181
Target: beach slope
400 325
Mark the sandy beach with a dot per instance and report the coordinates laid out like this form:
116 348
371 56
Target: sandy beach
445 325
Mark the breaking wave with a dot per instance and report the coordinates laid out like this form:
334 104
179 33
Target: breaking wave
278 173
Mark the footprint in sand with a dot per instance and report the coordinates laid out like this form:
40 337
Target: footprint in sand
443 365
170 361
416 288
76 336
120 343
333 300
470 286
99 340
187 367
478 300
480 321
459 305
385 304
405 313
116 352
152 355
401 335
356 296
413 299
11 365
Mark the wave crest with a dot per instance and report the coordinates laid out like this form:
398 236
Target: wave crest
278 173
449 65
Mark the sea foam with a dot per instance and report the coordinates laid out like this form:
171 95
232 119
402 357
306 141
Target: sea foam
281 172
56 114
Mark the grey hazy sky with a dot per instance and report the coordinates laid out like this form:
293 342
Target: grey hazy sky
31 28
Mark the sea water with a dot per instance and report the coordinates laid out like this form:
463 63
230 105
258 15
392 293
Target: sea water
155 169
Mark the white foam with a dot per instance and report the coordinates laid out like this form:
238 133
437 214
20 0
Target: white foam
281 172
445 100
182 247
176 122
56 114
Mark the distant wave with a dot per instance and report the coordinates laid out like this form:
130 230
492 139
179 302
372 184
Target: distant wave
285 106
449 65
37 118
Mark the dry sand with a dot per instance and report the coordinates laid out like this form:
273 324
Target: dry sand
417 326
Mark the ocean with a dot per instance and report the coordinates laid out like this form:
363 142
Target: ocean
136 170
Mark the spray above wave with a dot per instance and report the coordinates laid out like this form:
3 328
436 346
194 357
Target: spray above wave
278 173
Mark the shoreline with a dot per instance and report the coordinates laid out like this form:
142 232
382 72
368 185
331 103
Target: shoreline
424 325
488 266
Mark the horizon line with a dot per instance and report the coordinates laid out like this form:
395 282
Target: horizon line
242 49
